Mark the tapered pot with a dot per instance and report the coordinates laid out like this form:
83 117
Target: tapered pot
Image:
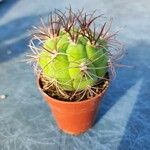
73 117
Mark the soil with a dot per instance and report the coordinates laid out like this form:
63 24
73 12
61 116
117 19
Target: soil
62 95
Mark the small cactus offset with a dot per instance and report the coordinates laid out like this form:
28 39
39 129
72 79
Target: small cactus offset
73 55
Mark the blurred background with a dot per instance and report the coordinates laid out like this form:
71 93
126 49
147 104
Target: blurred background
124 120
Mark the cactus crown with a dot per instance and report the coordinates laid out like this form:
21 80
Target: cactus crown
72 55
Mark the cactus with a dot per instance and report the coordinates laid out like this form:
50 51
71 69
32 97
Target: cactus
72 54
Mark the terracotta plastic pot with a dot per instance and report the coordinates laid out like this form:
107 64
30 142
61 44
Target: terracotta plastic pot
74 117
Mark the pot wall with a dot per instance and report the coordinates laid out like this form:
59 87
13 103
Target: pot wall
74 117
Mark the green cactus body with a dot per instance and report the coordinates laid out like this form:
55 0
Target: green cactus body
75 66
73 54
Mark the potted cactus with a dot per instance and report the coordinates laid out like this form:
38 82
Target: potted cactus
74 62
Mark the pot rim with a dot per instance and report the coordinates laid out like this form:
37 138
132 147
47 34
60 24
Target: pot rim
70 102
